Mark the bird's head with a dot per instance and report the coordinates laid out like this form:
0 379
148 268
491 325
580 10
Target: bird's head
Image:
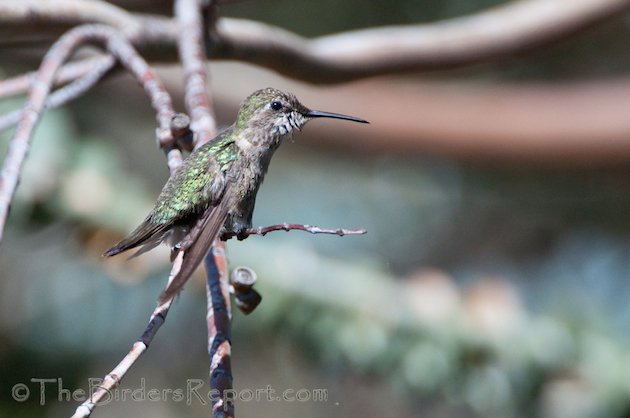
277 114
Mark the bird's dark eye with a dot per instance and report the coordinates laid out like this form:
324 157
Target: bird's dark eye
276 105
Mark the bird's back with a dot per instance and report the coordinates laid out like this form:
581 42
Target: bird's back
198 183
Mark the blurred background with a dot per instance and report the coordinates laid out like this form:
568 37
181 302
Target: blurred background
493 281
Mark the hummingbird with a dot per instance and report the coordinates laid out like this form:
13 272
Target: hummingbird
214 190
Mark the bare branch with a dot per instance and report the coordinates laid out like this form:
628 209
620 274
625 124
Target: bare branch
512 28
168 135
193 59
264 230
69 72
508 29
113 378
120 48
467 40
19 144
68 12
69 92
192 53
35 103
219 330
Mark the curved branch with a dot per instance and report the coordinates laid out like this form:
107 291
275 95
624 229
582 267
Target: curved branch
68 92
512 28
68 73
68 12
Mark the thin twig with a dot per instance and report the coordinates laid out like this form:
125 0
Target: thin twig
113 378
264 230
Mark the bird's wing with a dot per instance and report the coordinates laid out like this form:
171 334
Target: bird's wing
199 239
190 192
197 244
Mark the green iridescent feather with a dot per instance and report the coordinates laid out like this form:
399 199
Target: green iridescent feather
189 191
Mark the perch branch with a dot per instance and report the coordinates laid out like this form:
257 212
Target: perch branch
113 378
219 330
191 46
264 230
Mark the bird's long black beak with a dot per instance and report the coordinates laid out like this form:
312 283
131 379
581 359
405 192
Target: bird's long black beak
318 114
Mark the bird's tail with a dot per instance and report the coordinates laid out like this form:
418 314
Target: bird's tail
196 245
147 234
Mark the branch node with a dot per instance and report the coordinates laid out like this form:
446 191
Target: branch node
181 133
242 280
